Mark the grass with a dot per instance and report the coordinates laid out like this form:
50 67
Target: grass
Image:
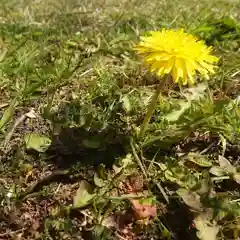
73 94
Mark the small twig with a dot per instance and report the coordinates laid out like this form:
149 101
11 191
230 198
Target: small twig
206 149
3 105
59 185
54 176
125 196
35 186
235 200
145 172
32 195
12 232
162 191
10 133
153 159
16 124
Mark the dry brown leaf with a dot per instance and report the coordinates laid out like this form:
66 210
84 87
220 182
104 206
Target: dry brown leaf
143 210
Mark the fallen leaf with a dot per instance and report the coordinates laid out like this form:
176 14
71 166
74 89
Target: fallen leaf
206 230
31 114
226 165
143 210
217 171
37 142
109 222
36 225
135 183
191 199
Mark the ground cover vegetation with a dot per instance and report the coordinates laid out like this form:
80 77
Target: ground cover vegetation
79 159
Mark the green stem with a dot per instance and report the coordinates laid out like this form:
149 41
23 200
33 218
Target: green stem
138 159
150 109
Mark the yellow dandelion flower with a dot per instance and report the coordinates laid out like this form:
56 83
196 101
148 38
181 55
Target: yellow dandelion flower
177 53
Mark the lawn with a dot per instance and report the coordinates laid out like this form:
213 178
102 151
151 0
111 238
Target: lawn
73 96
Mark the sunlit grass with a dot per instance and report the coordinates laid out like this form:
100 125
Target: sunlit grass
73 64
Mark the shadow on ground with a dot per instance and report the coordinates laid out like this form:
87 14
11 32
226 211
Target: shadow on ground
79 146
97 141
180 221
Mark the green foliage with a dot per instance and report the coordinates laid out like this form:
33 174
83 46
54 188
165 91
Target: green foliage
37 142
199 115
73 62
83 195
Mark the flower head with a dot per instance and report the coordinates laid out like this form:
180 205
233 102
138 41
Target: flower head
177 53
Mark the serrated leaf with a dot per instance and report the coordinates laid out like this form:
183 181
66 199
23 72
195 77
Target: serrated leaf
124 163
83 195
191 94
206 231
191 199
196 92
37 142
175 115
199 159
170 177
